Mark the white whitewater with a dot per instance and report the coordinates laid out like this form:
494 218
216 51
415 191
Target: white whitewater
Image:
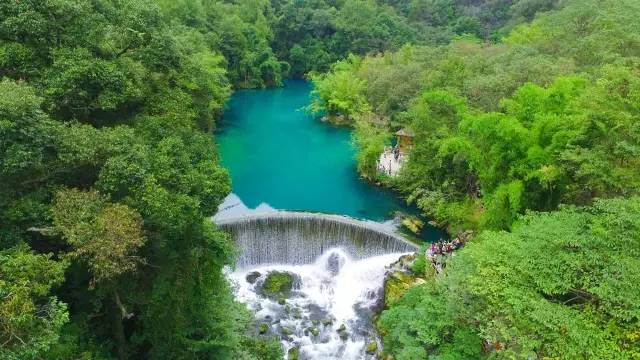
338 264
333 291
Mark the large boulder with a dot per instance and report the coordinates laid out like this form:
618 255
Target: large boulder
293 353
278 284
252 277
334 263
372 347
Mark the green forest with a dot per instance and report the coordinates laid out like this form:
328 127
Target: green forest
526 115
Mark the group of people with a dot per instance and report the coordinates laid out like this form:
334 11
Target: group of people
444 247
390 161
396 153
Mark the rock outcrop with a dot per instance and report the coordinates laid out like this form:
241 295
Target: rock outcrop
415 269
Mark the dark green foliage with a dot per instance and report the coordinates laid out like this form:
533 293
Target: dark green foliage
311 34
560 285
107 172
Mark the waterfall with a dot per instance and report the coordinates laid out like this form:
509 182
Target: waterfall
297 238
329 314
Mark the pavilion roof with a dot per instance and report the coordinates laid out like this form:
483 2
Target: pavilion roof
405 132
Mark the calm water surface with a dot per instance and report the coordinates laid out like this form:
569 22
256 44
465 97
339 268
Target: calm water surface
279 155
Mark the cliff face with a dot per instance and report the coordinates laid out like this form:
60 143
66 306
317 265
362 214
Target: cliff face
401 276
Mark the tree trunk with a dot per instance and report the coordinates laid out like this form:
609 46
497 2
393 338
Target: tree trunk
118 327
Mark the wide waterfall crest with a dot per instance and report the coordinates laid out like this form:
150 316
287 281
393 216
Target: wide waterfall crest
286 237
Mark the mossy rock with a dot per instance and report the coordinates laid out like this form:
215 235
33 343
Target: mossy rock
395 286
413 224
252 277
293 353
278 285
263 329
372 347
286 331
337 120
342 332
297 313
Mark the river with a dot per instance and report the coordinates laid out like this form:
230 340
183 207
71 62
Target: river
280 158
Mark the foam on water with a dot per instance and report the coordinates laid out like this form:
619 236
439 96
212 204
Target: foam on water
333 291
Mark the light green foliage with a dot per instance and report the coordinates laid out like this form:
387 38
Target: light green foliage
442 155
486 151
370 141
599 32
337 92
550 116
562 285
106 235
419 265
503 205
392 79
520 159
423 325
30 318
603 161
504 128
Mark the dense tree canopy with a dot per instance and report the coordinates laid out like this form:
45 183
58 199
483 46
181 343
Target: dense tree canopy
561 285
109 173
108 179
500 128
548 115
30 318
312 34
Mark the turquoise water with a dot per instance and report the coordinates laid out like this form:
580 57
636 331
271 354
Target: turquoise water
279 155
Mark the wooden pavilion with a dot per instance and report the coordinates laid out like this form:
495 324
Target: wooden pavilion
404 138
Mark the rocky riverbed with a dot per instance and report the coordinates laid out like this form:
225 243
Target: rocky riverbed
323 310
